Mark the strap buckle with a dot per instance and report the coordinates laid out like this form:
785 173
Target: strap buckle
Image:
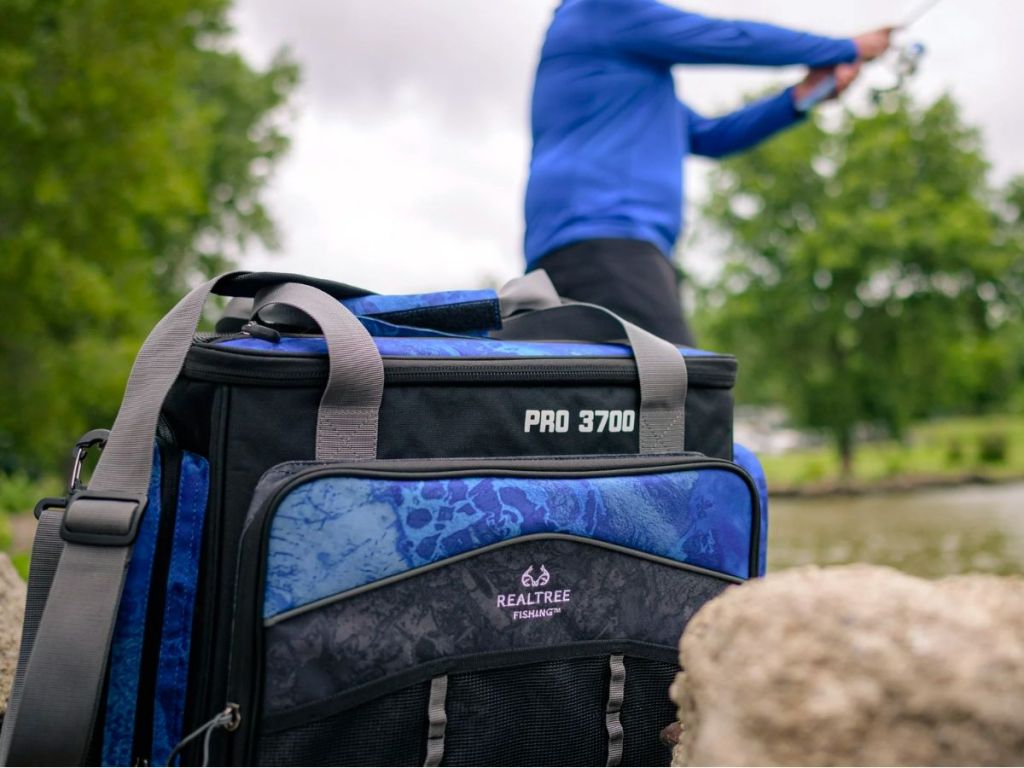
103 518
49 502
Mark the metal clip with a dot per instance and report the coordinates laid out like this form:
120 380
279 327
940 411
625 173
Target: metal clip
87 441
82 446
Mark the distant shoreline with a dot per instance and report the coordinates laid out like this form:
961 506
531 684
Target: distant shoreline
904 484
943 453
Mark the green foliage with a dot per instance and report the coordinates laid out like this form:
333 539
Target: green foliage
19 493
870 276
135 144
993 448
955 453
946 449
21 561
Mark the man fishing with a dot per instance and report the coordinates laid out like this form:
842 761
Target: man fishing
604 199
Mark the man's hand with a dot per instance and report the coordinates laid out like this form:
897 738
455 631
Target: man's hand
873 44
843 73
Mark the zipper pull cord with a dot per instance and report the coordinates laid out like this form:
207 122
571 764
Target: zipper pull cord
228 719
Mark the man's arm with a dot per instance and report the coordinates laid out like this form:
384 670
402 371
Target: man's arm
649 29
742 129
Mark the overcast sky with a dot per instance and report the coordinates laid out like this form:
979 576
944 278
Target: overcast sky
411 137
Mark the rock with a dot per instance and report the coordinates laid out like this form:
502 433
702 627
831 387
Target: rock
855 665
12 611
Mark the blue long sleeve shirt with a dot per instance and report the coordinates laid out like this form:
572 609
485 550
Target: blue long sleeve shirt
610 135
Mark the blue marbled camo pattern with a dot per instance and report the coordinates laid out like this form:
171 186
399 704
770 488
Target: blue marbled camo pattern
376 304
381 328
129 632
179 606
336 533
451 346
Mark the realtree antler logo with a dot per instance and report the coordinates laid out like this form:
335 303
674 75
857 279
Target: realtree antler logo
532 582
537 603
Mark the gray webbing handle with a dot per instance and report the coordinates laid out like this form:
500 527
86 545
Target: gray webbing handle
532 291
661 368
60 685
356 366
350 406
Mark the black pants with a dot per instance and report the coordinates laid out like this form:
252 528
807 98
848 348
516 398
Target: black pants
630 277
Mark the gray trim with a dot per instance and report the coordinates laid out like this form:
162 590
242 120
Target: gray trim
413 572
437 720
616 694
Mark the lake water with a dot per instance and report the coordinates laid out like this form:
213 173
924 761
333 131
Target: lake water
928 533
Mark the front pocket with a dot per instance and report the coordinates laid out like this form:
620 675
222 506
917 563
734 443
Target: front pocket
373 580
542 596
546 713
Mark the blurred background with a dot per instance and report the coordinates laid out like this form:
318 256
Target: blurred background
867 267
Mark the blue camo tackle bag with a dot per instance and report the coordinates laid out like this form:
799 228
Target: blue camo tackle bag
460 528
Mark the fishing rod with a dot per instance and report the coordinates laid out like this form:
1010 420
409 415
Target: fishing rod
915 15
907 61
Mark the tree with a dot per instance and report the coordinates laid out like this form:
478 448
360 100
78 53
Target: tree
867 271
135 144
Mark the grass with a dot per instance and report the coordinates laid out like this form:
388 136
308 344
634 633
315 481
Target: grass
18 497
989 448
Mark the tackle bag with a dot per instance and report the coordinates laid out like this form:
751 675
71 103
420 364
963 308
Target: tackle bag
463 528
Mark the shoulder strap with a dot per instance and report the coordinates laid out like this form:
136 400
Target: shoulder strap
61 682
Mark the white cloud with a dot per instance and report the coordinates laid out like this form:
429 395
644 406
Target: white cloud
409 159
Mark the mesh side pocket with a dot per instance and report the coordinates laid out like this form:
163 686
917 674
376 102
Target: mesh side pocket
646 710
391 730
551 713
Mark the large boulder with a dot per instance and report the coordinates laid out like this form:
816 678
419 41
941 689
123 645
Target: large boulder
855 665
12 611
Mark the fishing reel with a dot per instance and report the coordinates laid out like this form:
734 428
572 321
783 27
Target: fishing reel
905 63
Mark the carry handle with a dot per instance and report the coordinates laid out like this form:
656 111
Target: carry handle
246 285
345 428
661 368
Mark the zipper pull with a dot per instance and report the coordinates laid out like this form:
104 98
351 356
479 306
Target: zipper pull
257 331
229 719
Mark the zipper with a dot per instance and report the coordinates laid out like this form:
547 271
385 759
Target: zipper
246 675
208 363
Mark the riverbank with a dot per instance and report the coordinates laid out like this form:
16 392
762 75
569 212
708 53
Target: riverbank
938 454
930 533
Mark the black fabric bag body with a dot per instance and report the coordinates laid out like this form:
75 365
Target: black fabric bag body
447 529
